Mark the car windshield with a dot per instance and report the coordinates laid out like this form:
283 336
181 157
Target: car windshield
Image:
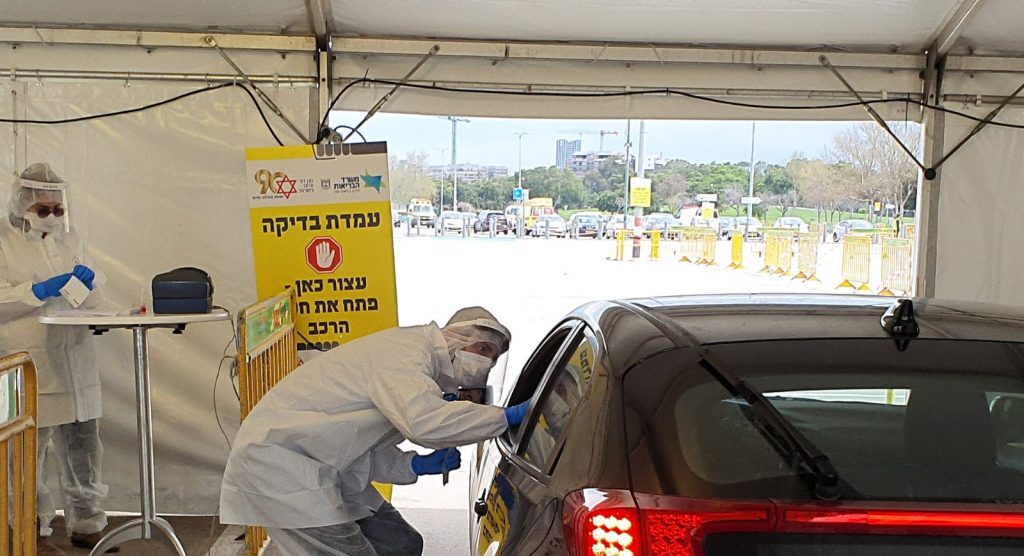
552 219
586 219
420 208
885 418
747 221
861 224
452 214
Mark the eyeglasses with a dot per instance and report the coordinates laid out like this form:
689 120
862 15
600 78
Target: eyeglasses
44 211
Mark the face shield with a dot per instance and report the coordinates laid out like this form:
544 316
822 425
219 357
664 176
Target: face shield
478 345
38 202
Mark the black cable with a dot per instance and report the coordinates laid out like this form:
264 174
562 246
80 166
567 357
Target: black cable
659 91
357 132
216 413
148 107
220 367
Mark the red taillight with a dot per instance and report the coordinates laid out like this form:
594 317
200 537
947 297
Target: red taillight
678 526
601 523
618 523
661 525
851 519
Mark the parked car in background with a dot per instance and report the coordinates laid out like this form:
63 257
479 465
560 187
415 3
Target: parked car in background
584 224
614 223
482 224
746 225
664 222
845 226
396 218
701 222
550 224
421 213
688 216
512 213
791 222
762 425
726 225
454 221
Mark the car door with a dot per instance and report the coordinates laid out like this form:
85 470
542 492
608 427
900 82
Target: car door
514 510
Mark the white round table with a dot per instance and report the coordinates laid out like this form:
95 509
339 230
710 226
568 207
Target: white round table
141 528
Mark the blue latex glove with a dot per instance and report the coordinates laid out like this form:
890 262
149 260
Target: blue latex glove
437 462
450 397
515 414
50 287
84 273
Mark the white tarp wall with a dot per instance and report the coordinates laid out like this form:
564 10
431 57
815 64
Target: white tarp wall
980 222
167 187
150 192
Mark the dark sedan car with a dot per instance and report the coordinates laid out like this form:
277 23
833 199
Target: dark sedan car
763 425
483 222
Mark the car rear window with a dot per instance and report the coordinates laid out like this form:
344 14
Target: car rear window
941 421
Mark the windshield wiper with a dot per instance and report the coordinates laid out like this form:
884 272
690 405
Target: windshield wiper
790 443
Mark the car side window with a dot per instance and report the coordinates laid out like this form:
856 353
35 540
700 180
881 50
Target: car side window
568 384
533 372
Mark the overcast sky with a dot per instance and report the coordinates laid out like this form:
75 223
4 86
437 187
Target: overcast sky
492 141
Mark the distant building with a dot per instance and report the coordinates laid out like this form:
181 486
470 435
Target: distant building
469 172
581 163
564 149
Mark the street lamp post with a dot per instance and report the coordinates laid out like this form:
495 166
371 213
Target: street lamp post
519 179
444 165
455 168
519 184
750 189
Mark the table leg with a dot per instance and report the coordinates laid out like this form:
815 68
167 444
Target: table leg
142 528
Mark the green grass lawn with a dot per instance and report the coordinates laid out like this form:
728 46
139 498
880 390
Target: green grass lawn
811 215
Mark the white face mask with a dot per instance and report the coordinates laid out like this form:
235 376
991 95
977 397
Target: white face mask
471 369
48 225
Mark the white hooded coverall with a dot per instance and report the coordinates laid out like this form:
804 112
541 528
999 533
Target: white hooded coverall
69 383
306 454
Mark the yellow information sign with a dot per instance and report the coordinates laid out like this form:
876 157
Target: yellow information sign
321 225
640 192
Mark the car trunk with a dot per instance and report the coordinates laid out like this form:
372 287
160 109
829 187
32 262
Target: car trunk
926 443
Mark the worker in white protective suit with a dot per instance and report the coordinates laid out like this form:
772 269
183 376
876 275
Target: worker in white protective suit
39 253
303 459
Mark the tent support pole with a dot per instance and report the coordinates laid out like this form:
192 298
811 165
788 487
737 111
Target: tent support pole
270 103
874 114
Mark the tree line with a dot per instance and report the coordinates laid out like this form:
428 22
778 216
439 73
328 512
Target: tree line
861 167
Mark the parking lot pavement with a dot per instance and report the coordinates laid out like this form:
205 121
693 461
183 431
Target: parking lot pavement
532 283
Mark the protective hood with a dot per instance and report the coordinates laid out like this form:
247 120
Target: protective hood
37 184
469 326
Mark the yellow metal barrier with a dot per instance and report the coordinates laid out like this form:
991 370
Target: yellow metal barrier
690 244
856 262
266 354
18 436
655 244
709 246
876 234
620 245
778 251
737 252
897 266
807 257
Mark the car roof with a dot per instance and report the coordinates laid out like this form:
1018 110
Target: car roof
631 327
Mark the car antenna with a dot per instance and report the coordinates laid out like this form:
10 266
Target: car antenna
899 324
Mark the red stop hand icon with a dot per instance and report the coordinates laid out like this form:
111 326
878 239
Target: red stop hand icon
323 254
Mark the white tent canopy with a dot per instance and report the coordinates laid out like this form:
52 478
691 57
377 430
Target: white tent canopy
153 185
